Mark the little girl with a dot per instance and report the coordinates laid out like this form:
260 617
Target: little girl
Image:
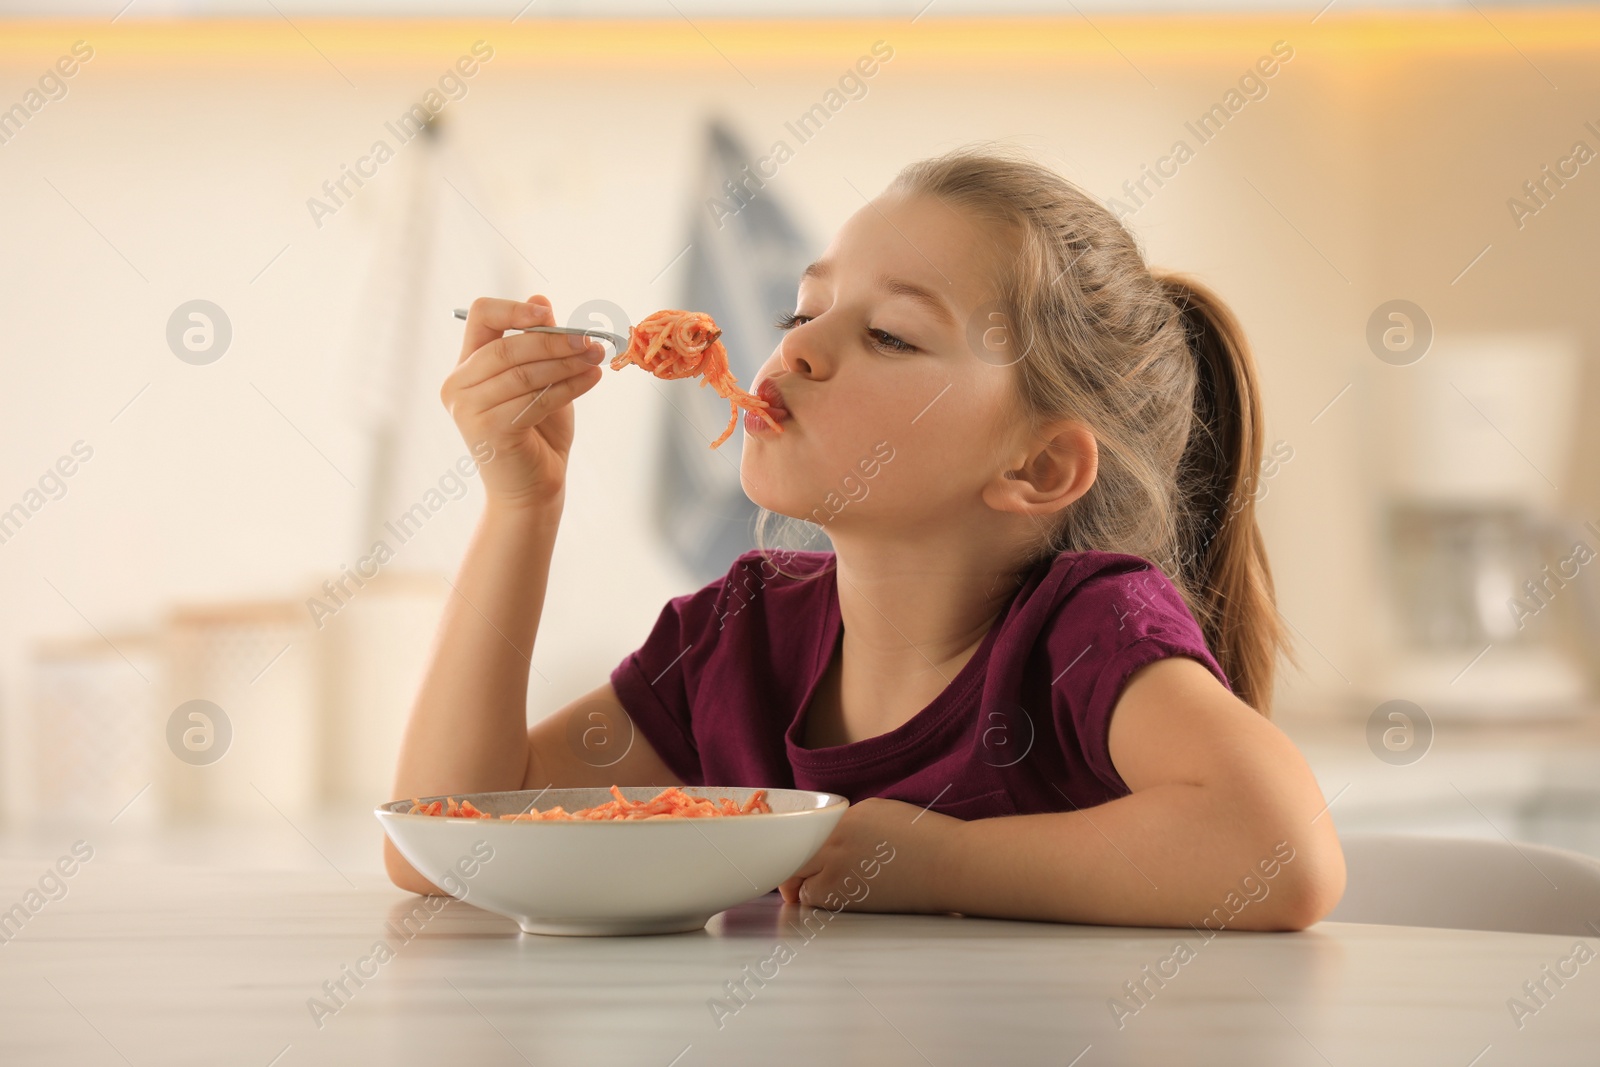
1038 660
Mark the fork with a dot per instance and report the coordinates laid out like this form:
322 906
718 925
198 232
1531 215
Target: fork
617 340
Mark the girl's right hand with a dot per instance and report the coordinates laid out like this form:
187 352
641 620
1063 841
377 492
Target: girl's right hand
515 392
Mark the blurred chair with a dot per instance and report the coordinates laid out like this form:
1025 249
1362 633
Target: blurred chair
1469 884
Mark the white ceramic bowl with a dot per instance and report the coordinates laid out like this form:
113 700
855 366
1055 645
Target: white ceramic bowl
655 876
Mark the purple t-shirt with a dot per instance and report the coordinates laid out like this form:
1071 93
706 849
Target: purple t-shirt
720 685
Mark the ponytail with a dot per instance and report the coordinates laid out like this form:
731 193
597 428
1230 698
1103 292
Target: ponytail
1221 557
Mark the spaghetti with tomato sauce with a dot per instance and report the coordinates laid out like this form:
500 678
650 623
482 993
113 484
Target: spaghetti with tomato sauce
670 803
686 344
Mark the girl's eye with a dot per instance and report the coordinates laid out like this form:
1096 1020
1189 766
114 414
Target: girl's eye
890 341
882 338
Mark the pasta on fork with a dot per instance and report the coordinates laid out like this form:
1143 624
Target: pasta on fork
686 344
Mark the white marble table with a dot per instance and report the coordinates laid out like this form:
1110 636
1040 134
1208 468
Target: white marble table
165 964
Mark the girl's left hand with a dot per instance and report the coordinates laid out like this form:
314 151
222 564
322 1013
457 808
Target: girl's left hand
884 855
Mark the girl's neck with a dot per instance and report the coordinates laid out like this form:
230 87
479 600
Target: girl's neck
914 612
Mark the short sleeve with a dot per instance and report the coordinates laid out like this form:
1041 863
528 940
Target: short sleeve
655 684
1110 626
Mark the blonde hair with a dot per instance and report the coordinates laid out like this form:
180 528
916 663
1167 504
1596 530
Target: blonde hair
1158 368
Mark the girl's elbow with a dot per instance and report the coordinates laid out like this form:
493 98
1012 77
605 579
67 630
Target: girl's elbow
1302 878
1310 887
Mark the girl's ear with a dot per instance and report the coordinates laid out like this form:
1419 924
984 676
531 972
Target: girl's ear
1056 469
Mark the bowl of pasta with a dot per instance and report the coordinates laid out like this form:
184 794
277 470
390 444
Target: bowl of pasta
623 860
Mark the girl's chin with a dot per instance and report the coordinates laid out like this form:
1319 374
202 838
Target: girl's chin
758 490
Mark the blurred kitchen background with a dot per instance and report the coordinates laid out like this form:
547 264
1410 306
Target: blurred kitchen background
227 314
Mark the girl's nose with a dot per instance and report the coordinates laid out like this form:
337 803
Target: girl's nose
802 352
793 362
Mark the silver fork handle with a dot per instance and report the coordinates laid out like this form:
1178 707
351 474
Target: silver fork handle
617 340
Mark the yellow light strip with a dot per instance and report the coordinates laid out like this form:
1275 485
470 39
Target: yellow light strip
606 48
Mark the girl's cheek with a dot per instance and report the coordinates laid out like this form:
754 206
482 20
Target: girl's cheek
889 411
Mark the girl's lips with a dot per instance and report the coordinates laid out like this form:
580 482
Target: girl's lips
768 391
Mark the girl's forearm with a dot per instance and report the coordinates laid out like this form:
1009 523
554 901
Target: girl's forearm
468 727
1172 855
